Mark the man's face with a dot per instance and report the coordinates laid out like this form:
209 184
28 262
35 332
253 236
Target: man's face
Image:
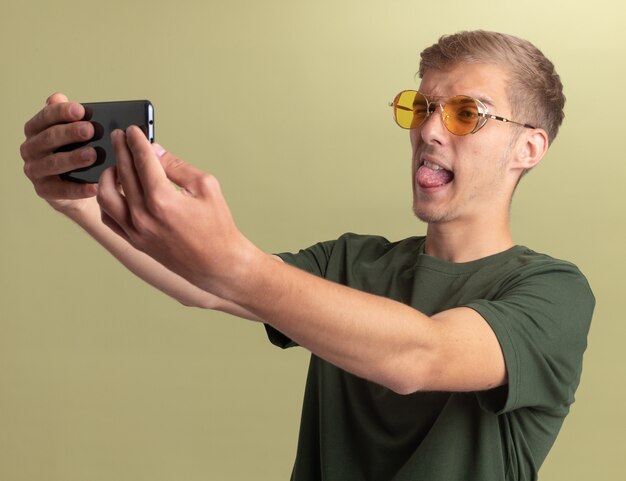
478 183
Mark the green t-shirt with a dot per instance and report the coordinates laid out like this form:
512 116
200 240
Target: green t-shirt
539 308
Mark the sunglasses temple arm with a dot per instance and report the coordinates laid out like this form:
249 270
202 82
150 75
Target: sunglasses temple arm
502 119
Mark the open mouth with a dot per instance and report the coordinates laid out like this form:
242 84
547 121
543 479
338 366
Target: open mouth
431 175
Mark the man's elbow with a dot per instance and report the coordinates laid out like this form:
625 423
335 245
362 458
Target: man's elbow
412 375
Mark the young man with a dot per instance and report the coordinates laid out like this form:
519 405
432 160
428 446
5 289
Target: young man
452 356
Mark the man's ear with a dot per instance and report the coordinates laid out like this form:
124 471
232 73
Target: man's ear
531 148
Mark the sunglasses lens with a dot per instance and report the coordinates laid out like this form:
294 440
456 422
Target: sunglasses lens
461 115
409 109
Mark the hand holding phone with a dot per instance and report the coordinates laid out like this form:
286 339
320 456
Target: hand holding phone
105 118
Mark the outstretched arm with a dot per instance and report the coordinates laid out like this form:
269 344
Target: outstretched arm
146 268
60 123
191 231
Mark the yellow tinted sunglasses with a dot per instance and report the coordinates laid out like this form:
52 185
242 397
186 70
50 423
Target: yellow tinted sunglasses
461 114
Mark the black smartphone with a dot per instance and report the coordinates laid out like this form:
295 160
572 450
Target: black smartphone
106 117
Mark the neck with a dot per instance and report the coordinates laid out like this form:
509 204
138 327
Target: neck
461 243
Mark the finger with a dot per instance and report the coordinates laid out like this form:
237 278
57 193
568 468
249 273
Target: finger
56 98
52 114
126 173
56 136
112 202
178 171
147 165
55 164
53 188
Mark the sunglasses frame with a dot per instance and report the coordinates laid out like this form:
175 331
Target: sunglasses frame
482 112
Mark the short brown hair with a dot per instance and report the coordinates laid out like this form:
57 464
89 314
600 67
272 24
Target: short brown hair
535 90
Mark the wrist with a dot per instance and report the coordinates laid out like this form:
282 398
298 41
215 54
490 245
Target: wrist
242 279
262 283
77 210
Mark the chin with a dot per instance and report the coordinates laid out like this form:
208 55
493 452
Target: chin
432 216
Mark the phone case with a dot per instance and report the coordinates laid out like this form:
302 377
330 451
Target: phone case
106 117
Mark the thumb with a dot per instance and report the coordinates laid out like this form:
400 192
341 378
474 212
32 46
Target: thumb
176 169
56 98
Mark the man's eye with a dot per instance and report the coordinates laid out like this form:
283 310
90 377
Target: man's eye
471 114
466 115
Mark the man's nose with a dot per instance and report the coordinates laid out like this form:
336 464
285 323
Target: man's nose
433 128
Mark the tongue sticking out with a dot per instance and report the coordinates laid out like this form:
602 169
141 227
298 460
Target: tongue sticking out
427 177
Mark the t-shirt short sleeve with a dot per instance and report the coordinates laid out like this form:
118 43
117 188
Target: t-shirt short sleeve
541 322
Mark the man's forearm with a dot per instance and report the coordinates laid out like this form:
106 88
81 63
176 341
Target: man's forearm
370 336
373 337
146 268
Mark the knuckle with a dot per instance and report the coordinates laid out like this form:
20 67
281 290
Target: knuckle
207 184
159 205
48 137
28 170
28 130
102 200
30 127
40 190
141 221
51 163
43 117
104 193
41 120
24 151
76 130
45 113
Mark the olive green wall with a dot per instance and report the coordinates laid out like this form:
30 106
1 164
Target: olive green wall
103 378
